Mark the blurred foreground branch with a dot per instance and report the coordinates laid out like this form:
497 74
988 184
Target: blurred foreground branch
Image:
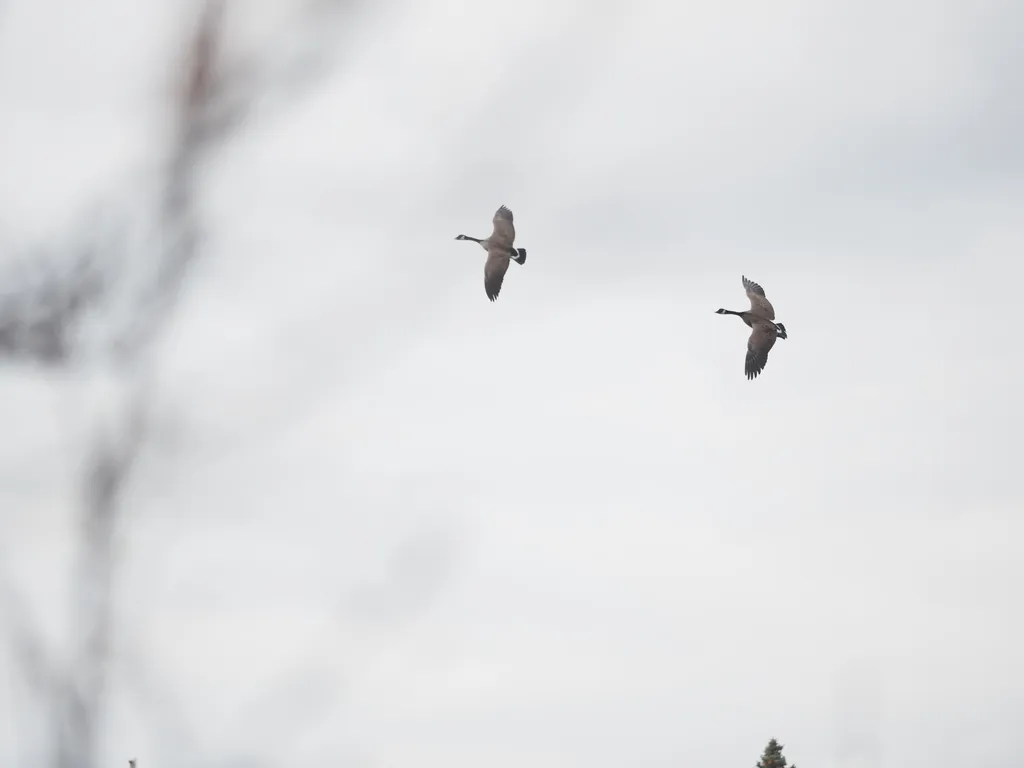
38 319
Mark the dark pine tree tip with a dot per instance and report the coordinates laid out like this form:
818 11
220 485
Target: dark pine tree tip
773 757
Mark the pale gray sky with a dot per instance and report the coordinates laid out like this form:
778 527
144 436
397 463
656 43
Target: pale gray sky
385 522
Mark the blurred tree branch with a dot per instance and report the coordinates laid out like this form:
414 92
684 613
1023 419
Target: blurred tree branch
38 315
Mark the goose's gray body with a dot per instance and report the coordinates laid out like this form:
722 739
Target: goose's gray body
760 318
500 250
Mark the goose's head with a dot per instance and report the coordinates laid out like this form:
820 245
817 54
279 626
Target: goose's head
781 331
721 311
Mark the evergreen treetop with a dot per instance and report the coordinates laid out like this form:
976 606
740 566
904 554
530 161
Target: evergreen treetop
773 757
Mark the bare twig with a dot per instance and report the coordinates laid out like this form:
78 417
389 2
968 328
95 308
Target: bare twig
107 472
37 319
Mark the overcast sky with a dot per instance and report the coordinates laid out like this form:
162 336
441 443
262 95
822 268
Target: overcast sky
384 522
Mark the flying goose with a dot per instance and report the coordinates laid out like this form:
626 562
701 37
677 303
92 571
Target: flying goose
499 251
761 319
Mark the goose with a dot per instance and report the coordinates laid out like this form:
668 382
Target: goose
764 329
499 251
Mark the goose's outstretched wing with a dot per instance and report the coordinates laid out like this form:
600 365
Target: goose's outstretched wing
760 343
494 271
759 303
504 233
